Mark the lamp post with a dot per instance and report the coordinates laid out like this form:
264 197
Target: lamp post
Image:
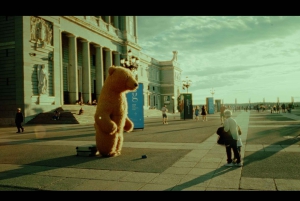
235 104
249 104
130 62
173 98
186 84
212 91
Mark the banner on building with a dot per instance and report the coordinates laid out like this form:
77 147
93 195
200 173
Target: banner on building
135 100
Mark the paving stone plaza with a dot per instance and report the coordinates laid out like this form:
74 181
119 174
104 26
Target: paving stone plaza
181 156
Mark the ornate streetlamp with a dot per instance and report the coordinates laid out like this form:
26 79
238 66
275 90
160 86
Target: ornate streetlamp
131 62
186 84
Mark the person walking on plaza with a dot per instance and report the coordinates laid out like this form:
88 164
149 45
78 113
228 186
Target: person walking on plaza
274 108
204 113
19 120
283 108
271 108
278 108
222 116
164 111
80 111
230 125
197 112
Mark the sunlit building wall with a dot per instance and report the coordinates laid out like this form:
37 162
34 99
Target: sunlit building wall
49 61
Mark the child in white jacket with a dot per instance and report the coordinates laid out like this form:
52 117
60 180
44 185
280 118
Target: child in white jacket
239 144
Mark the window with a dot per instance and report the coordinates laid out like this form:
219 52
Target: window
94 60
166 99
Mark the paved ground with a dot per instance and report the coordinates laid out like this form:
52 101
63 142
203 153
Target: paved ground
181 156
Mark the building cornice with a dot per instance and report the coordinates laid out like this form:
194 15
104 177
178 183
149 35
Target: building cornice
133 45
93 28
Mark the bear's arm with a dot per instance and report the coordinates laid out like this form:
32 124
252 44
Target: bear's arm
104 122
128 125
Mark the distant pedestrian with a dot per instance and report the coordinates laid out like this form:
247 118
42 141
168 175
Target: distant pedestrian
164 111
80 111
289 107
222 116
283 108
56 115
278 108
274 108
271 109
197 112
19 120
204 113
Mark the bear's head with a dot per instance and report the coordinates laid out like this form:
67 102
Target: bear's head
121 79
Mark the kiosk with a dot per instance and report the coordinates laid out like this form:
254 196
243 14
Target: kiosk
185 106
135 100
210 105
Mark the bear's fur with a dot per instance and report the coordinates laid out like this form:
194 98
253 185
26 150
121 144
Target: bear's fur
111 113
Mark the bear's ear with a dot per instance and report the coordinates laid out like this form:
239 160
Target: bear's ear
111 70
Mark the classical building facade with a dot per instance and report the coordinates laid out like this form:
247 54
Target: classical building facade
49 61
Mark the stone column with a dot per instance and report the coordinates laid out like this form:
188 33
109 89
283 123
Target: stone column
72 69
61 69
108 61
135 28
86 72
99 70
107 19
146 95
117 61
120 19
116 22
123 26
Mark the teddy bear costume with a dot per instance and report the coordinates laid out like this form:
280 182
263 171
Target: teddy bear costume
111 116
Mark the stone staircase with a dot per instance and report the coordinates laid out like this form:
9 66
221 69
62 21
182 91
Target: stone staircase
69 114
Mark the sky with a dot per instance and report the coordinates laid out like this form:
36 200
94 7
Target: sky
239 58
